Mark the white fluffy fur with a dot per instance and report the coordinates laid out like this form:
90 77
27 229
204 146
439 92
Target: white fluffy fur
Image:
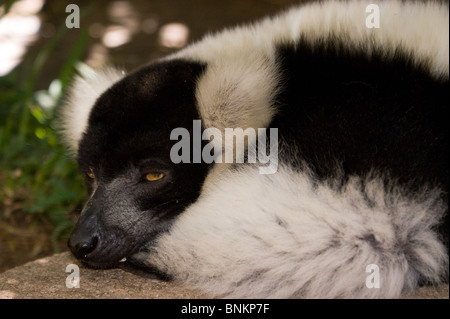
241 81
281 236
82 96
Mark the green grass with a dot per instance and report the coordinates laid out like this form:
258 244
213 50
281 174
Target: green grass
36 171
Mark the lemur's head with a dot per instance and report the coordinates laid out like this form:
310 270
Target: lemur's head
124 153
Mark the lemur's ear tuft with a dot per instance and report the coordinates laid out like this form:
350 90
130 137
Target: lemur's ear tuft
82 94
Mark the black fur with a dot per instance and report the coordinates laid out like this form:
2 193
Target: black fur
349 114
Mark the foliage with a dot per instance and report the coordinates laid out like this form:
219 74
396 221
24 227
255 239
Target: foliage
36 170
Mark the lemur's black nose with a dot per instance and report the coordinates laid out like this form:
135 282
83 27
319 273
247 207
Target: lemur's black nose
82 245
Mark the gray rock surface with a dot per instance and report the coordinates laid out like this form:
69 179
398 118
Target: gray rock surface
46 278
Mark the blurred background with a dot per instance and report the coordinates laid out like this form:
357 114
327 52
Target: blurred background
41 192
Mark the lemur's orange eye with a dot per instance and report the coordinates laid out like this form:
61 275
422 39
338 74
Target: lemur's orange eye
90 175
152 177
